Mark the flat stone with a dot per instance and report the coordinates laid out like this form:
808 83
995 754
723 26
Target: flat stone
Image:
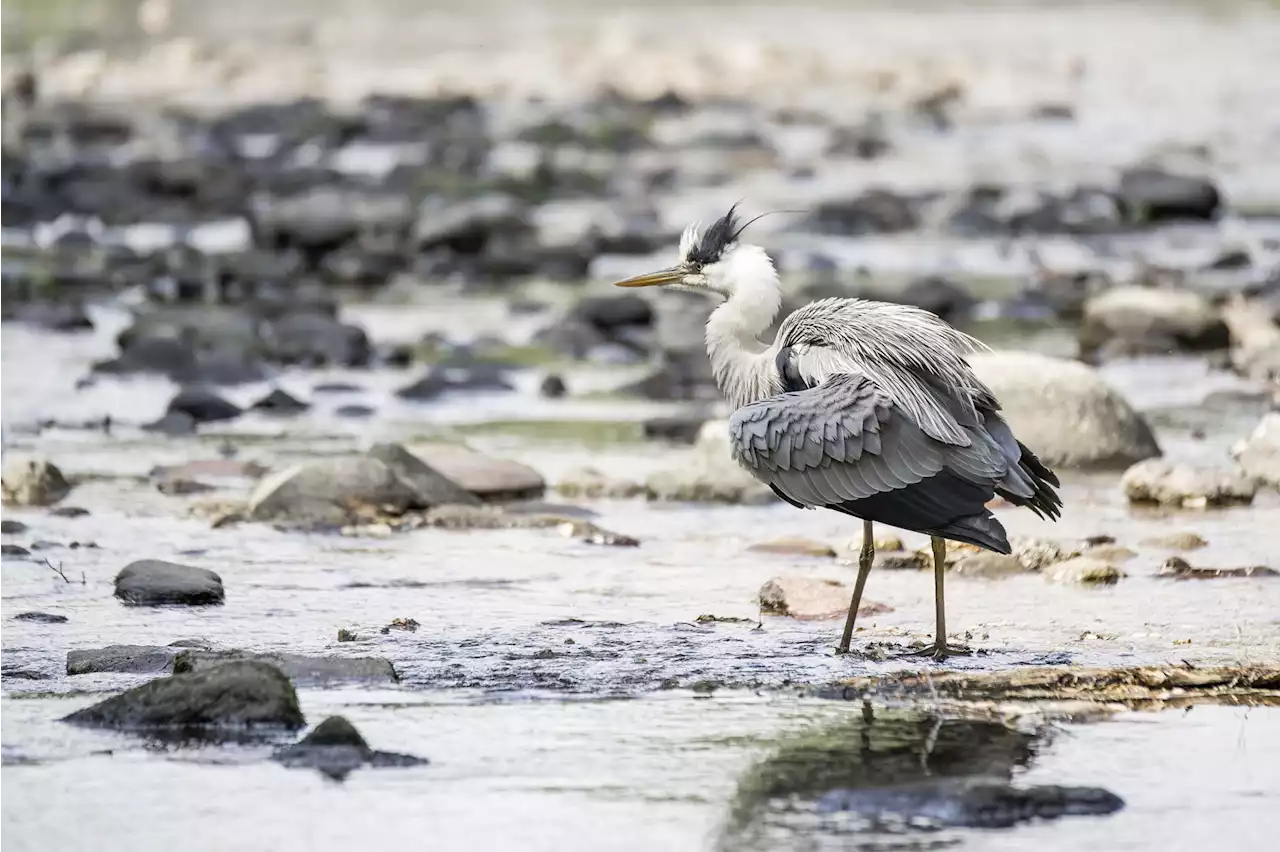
808 598
988 566
152 582
126 659
433 488
491 479
312 671
331 491
794 547
41 617
1177 541
1083 571
1189 486
1177 568
12 527
235 696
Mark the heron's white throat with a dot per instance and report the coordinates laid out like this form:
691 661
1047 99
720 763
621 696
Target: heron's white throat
742 364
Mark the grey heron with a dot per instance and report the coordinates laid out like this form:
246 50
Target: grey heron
863 407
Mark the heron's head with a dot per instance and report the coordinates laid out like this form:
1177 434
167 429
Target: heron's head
712 261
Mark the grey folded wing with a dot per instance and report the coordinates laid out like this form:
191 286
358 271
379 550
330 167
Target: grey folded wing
847 440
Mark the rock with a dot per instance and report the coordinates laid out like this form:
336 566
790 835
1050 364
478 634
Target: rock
876 211
1083 571
33 483
1259 454
355 411
1146 320
607 314
1150 195
1037 554
809 598
203 406
1064 412
938 296
1167 483
14 550
313 339
490 479
127 659
335 748
988 566
151 582
331 491
679 430
593 485
972 802
300 668
1177 568
553 387
11 527
68 512
280 402
794 547
682 375
55 316
1255 339
433 488
443 378
173 423
232 696
41 617
1177 541
1109 553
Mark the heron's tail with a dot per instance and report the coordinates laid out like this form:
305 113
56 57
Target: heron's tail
979 530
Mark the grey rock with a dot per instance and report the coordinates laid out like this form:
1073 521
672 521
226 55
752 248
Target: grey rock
1083 571
14 550
330 491
173 423
1143 320
812 598
33 482
128 659
491 479
11 527
280 402
152 582
876 211
1150 195
313 671
1177 568
1190 486
989 566
1177 541
1036 554
1064 412
1259 454
41 617
203 406
234 696
312 338
553 387
432 487
335 748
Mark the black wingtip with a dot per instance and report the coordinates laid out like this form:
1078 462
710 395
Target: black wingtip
979 530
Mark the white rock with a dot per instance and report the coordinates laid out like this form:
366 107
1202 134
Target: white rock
1259 454
1190 486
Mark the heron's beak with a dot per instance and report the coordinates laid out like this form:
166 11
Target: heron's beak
650 279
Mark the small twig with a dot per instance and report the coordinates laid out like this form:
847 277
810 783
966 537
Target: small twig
57 569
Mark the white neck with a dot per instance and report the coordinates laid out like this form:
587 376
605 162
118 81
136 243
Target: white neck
743 365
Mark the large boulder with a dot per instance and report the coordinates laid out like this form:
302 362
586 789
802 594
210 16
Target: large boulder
236 695
33 482
152 582
1147 320
432 486
1065 412
331 491
1259 454
488 478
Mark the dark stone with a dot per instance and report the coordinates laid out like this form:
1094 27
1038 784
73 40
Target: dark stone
335 748
442 379
151 582
300 668
683 375
355 411
127 659
468 227
876 211
41 617
55 316
315 339
608 312
553 387
162 355
1177 568
203 406
237 695
336 387
680 430
280 402
173 423
11 527
938 296
1151 195
432 487
14 550
68 512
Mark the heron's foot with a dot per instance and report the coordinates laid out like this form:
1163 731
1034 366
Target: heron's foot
940 651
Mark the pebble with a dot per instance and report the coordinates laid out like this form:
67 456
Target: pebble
1083 571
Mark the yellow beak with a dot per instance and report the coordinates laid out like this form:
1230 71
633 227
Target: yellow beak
650 279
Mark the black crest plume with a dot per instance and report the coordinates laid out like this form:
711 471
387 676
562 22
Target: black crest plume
723 233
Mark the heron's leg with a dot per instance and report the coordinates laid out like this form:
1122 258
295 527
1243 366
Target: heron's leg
865 558
940 650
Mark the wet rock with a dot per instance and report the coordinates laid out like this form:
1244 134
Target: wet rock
233 696
355 411
442 379
1109 553
331 491
173 423
491 479
680 430
68 512
203 406
553 387
1037 554
315 339
14 550
432 487
593 485
280 402
151 582
938 296
41 617
34 482
126 659
794 547
335 748
1177 568
967 803
988 566
1064 412
1190 486
11 527
55 316
877 211
810 598
1177 541
1259 454
225 468
1083 571
1148 320
1151 195
299 668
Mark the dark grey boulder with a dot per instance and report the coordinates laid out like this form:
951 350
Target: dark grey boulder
173 423
237 695
433 487
152 582
1149 195
125 659
335 748
41 617
280 402
313 671
11 527
203 406
330 491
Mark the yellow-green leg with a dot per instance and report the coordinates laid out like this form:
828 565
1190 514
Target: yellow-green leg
865 558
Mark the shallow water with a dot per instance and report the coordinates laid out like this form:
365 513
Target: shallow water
563 691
